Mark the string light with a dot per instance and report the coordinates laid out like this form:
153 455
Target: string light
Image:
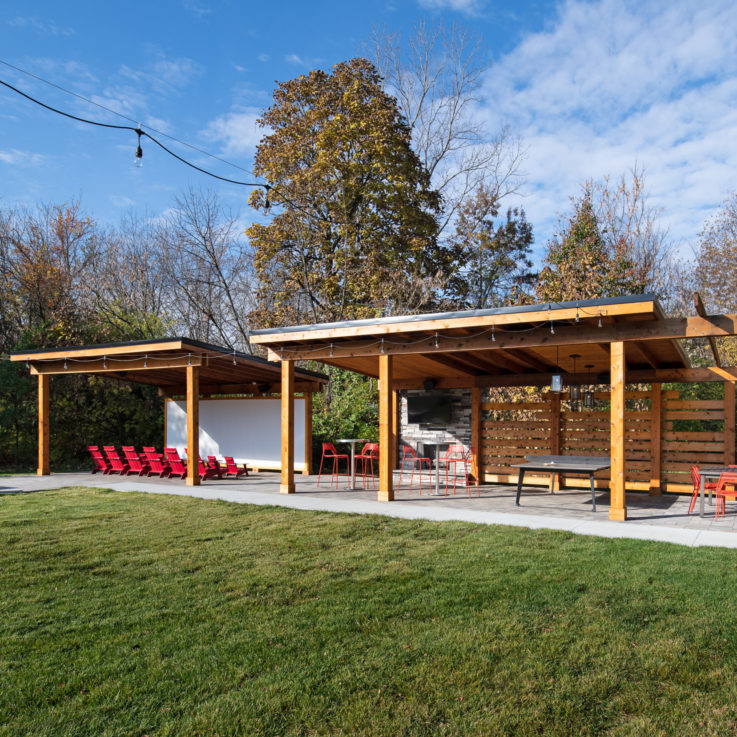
600 319
189 359
65 364
104 362
331 350
139 151
145 361
382 345
234 361
436 341
493 337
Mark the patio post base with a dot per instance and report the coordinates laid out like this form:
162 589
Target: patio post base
617 515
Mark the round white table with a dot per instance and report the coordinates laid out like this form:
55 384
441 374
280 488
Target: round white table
353 442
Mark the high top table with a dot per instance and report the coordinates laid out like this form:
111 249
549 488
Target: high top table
353 442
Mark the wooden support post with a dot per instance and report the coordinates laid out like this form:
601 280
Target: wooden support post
193 426
656 428
554 436
287 427
308 434
618 503
386 435
476 432
729 422
395 429
43 425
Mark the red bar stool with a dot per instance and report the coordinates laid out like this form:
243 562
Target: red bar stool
331 454
410 454
368 453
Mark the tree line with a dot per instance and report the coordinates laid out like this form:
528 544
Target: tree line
385 197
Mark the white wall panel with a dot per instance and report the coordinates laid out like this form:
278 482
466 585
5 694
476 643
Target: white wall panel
247 429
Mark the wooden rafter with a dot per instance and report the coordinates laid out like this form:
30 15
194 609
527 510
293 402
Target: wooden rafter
701 311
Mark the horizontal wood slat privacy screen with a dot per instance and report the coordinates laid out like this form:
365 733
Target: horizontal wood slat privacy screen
692 432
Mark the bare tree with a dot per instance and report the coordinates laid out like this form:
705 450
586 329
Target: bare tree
132 281
210 269
436 77
629 223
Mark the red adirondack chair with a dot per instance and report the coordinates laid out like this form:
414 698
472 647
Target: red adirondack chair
117 465
214 465
177 465
101 463
232 469
135 464
158 467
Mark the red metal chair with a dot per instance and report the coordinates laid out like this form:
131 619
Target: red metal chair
722 492
158 467
696 480
177 467
455 455
329 451
117 465
368 454
467 462
101 463
232 469
409 454
135 464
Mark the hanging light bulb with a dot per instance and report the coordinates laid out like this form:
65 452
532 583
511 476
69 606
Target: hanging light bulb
139 151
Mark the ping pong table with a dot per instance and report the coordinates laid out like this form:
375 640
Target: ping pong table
555 465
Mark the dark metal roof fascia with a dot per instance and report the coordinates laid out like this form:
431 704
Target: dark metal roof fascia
521 309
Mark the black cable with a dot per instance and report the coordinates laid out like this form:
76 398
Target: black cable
138 131
124 117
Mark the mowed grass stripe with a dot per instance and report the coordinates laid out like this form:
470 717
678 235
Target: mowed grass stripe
135 614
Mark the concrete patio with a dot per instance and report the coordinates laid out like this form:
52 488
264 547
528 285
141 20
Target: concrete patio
663 518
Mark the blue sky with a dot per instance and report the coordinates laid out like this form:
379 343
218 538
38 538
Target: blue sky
592 88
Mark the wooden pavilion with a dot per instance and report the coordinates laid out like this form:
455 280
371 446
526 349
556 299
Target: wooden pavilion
618 340
177 366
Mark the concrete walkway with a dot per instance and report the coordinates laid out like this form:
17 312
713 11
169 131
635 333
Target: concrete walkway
662 519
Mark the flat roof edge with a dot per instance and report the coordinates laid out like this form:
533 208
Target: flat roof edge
521 309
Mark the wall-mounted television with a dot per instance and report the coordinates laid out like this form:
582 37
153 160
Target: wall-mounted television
429 408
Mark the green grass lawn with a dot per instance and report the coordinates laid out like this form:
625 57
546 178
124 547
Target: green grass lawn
135 614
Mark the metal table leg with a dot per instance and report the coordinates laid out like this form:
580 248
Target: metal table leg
593 491
519 485
701 500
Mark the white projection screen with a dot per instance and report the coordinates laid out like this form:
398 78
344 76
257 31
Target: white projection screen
247 429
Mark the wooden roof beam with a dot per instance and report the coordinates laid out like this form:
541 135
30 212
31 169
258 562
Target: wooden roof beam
638 376
701 311
113 365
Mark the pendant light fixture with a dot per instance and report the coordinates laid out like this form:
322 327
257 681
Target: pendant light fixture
588 395
575 388
556 380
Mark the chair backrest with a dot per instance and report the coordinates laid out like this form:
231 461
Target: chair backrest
101 463
231 465
149 449
132 457
176 463
373 450
455 451
408 451
328 449
213 462
695 478
154 460
115 460
727 479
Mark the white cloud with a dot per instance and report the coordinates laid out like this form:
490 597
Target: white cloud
611 84
467 7
263 57
14 157
44 28
121 201
236 131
